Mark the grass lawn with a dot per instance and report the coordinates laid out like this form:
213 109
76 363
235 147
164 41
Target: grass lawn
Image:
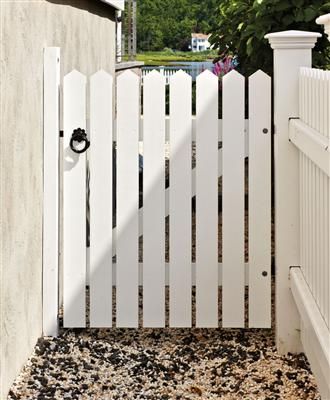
166 56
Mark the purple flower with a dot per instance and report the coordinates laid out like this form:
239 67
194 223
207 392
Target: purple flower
225 65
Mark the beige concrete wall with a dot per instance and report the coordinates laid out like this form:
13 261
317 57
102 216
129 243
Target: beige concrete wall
85 31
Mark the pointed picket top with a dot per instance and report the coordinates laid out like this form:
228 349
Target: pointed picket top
207 75
154 76
75 77
100 76
128 76
259 75
233 76
180 76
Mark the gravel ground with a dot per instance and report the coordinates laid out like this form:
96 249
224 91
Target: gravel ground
163 364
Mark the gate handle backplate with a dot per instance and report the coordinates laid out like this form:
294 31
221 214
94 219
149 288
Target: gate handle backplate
79 135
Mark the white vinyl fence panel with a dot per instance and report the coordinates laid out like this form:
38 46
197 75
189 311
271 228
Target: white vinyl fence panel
315 183
310 284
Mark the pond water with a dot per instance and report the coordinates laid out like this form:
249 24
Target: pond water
193 68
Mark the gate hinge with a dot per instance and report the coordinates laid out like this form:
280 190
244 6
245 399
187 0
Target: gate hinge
61 133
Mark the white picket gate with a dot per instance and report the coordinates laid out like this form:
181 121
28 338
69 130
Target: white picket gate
153 273
128 244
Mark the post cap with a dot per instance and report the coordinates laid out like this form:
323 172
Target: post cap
325 20
292 39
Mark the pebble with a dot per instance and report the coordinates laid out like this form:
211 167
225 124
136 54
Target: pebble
163 364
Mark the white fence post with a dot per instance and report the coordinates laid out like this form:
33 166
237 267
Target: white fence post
51 191
292 50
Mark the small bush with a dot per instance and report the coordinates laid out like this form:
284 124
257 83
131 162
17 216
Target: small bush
242 25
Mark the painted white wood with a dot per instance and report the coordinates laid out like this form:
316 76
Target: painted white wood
167 274
325 85
100 164
326 248
193 136
127 199
309 221
206 200
260 200
50 288
193 192
154 200
180 200
286 105
315 333
312 229
311 143
74 203
233 201
310 135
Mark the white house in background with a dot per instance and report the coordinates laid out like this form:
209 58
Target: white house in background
200 42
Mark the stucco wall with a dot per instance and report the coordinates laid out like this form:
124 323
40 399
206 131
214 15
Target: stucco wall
85 31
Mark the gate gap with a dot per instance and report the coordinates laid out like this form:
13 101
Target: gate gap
246 210
114 225
193 219
140 238
220 145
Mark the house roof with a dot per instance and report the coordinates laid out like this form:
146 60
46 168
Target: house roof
200 35
118 4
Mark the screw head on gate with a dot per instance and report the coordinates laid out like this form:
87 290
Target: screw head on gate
264 273
265 130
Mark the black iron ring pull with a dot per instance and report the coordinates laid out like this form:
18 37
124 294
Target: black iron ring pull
79 135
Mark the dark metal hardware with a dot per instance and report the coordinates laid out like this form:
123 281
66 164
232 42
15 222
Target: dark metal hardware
79 135
265 130
264 273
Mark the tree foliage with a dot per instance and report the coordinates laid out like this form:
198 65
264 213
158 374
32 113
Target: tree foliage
242 25
169 23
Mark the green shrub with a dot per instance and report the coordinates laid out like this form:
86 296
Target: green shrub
242 25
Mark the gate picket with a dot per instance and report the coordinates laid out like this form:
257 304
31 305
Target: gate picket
127 199
207 200
154 200
74 203
259 200
101 200
180 200
233 201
